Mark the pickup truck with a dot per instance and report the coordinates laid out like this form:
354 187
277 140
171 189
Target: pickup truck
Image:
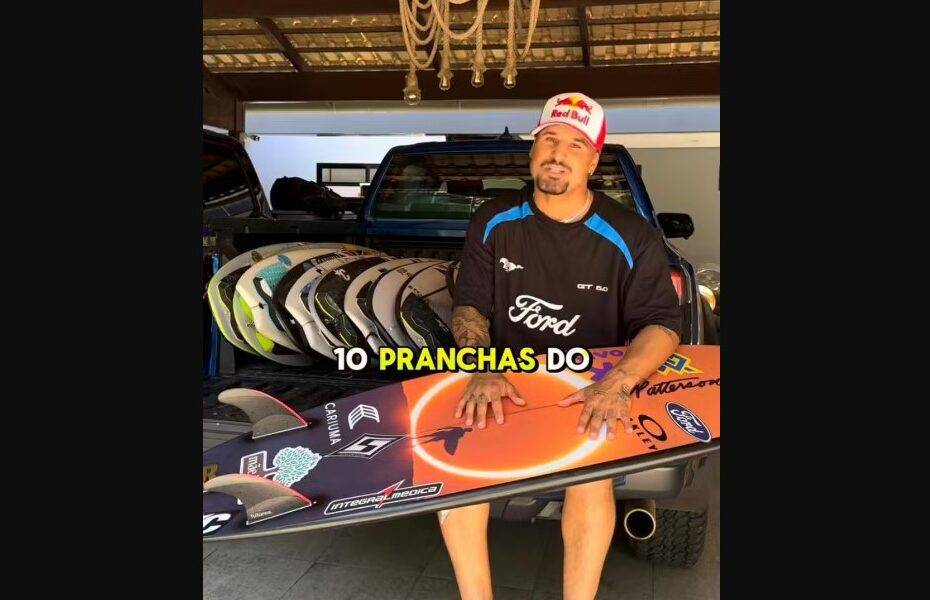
418 205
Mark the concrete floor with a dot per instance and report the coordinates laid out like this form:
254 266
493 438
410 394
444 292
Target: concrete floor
406 558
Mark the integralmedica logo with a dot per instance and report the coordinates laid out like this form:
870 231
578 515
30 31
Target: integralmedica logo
688 421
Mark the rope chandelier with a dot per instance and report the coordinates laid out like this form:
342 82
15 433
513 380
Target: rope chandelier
435 27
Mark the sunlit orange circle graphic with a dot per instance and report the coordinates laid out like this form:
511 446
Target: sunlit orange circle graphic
535 439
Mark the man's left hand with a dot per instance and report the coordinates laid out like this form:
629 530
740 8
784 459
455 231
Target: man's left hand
603 401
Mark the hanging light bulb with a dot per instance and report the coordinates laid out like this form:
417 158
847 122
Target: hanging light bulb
412 91
443 19
510 80
510 76
509 72
445 73
478 68
477 77
445 81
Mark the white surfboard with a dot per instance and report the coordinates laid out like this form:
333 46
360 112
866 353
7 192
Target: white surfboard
384 296
358 307
425 307
256 287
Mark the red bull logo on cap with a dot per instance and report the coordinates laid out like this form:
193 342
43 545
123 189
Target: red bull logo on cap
576 104
577 110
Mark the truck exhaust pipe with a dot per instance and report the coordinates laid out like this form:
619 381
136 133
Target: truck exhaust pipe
639 519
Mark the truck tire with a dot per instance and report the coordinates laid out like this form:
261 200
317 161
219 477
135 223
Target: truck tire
678 540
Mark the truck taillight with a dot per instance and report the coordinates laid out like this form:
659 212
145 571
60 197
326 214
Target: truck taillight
678 281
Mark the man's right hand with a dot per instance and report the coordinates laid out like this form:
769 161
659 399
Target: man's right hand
484 389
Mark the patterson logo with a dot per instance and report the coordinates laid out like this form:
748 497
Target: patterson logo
393 494
688 421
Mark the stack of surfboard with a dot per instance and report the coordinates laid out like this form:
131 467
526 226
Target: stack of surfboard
293 302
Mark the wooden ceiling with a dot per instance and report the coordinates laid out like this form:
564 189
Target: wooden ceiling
306 50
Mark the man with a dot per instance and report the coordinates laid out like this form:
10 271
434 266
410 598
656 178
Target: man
564 267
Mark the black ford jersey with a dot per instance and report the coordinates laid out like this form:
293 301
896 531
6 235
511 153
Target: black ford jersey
543 283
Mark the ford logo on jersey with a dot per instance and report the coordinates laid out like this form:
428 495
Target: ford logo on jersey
688 421
528 309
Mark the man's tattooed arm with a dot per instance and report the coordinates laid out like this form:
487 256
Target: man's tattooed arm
469 327
672 334
650 348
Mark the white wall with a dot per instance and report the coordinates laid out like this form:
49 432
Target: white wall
685 180
655 115
297 155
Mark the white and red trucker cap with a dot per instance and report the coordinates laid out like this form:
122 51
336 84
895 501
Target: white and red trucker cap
579 111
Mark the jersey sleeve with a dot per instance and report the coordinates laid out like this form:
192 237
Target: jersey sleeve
650 297
474 285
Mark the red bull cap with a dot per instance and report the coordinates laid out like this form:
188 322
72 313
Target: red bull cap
579 111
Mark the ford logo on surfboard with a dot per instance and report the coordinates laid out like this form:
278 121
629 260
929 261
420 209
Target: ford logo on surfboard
688 421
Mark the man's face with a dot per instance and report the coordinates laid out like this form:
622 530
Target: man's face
561 160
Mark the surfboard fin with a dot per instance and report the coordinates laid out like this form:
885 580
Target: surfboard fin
263 498
268 415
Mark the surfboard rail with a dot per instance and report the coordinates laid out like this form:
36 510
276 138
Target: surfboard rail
546 483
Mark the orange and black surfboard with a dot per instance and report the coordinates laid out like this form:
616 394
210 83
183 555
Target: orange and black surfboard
399 450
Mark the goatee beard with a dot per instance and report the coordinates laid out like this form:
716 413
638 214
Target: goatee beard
552 188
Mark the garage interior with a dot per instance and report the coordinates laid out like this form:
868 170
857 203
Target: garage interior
307 85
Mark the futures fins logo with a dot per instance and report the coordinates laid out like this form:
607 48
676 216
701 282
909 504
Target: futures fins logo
363 411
